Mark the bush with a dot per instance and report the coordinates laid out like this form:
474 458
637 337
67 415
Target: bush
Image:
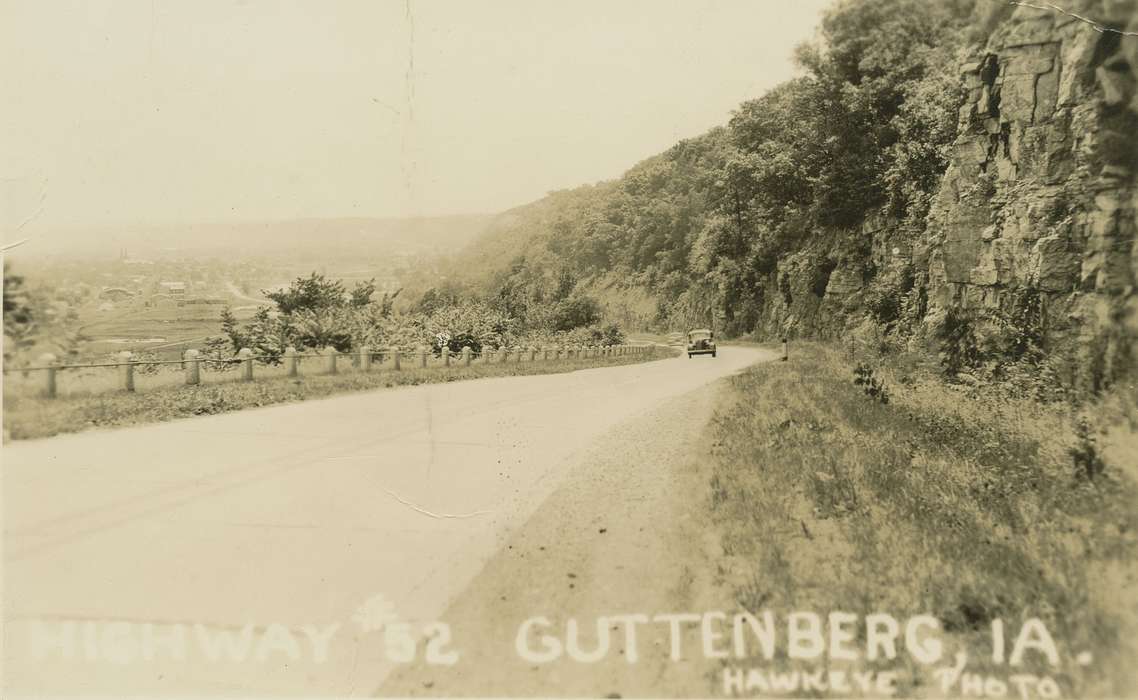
316 320
871 385
467 324
216 352
455 343
612 335
885 298
959 348
575 312
1085 455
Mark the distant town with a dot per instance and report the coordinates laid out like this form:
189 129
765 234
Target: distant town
160 290
165 303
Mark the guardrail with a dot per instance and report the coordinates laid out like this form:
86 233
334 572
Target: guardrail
364 359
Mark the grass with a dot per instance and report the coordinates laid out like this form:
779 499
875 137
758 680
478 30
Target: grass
93 401
933 503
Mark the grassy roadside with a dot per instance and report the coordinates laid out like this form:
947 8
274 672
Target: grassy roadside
969 510
33 417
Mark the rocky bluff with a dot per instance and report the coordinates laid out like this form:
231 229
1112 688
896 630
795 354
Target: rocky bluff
1040 188
1039 194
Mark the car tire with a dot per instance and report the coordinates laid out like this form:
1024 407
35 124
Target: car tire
689 355
713 353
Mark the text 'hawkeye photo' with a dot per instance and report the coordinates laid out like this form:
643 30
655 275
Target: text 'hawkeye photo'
592 349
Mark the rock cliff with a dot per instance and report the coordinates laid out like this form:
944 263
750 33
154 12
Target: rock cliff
1040 190
1039 196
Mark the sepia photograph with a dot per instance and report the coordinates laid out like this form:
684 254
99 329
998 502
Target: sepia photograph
569 349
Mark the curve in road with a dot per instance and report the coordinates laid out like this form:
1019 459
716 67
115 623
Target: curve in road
290 533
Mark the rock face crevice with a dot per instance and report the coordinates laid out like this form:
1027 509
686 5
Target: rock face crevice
1040 192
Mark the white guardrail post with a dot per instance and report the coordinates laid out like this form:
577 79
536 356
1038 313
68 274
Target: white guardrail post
246 356
422 356
193 364
365 358
446 356
466 353
291 362
330 360
395 359
48 361
126 370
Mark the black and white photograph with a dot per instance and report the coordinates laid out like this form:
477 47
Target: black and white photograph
569 349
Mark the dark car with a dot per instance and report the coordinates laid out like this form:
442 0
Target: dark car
701 341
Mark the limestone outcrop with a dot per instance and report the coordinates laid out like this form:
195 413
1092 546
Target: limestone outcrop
1040 191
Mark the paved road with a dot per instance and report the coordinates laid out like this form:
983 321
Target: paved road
133 557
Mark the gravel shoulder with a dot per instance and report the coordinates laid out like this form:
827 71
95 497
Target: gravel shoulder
626 533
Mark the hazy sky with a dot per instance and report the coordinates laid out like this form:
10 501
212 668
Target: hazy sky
154 111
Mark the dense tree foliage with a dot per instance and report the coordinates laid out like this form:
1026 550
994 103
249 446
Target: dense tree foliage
314 313
318 292
865 128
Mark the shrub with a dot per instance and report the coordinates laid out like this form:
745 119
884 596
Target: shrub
468 324
612 335
575 312
1088 463
883 305
1021 325
871 385
886 297
455 343
959 348
216 351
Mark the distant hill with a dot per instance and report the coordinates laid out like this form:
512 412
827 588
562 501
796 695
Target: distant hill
336 237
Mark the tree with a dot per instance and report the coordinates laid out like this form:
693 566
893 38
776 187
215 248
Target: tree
386 305
268 336
19 316
361 293
311 293
231 330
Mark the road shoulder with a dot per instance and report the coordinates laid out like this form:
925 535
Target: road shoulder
628 532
